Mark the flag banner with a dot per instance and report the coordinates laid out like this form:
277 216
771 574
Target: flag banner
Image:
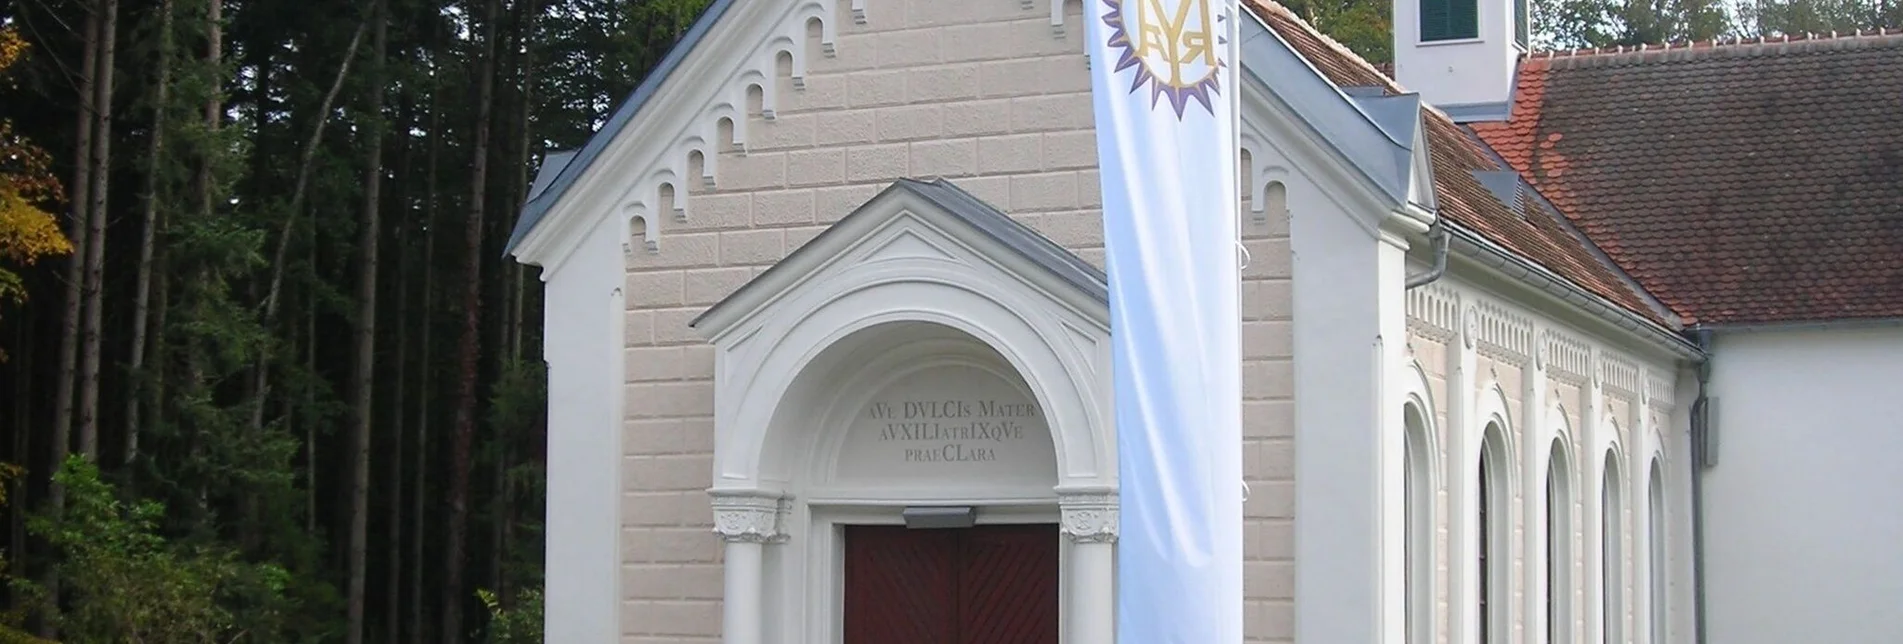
1163 80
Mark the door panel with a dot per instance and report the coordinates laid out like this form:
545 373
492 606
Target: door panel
1008 585
982 585
900 585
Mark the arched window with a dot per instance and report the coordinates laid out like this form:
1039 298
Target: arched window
1559 542
1655 539
1610 554
1419 502
1494 523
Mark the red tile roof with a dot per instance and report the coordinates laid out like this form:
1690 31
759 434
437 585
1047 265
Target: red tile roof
1738 183
1455 154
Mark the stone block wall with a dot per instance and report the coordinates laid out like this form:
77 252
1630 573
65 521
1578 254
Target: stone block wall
988 94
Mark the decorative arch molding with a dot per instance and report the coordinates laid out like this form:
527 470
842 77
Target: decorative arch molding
1419 394
905 257
922 289
1558 425
1492 409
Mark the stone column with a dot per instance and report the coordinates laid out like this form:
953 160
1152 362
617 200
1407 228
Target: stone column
1090 521
746 522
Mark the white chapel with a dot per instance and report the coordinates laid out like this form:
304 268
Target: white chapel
1584 347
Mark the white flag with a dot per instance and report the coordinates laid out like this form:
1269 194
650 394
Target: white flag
1163 78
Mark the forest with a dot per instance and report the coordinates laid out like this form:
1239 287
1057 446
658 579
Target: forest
265 373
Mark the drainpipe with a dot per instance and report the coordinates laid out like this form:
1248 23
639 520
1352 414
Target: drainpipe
1438 232
1701 431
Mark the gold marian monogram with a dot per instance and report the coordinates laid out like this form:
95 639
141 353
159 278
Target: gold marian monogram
1178 47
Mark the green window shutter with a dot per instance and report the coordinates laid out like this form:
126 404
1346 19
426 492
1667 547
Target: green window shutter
1521 31
1449 19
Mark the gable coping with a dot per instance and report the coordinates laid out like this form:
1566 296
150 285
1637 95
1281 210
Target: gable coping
949 202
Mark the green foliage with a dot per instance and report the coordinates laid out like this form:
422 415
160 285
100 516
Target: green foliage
129 584
1363 26
518 624
10 621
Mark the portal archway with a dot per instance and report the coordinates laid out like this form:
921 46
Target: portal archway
924 356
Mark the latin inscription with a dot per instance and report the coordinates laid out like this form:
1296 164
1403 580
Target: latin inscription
951 430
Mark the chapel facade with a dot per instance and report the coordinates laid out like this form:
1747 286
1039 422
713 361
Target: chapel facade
828 344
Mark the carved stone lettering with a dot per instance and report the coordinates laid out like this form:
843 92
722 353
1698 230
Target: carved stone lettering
951 421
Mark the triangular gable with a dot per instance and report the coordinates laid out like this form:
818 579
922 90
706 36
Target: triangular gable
572 168
941 207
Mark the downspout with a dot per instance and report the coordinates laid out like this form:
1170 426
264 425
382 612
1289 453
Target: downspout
1701 431
1442 238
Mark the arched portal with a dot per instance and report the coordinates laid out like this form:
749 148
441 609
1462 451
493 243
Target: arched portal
924 383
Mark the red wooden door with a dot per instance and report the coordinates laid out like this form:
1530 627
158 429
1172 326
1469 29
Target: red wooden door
982 585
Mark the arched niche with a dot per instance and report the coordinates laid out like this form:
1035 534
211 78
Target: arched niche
910 271
918 410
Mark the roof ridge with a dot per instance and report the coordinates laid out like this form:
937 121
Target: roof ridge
1781 43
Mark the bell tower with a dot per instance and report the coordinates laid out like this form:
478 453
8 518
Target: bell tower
1461 54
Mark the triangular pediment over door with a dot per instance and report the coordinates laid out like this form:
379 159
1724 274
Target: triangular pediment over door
920 254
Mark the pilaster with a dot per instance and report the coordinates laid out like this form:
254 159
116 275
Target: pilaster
1463 449
747 522
1592 461
1089 520
1350 333
1538 430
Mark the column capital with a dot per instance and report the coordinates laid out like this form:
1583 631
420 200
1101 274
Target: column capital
748 517
1089 516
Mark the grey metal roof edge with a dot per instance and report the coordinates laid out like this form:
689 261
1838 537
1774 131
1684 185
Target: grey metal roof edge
1397 115
1825 324
974 213
1326 108
535 209
1487 253
553 161
1016 236
1478 112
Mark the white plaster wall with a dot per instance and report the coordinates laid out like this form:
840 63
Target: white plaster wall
1804 524
584 317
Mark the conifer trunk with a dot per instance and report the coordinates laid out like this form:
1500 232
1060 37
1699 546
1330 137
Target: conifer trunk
362 379
260 384
78 229
427 320
88 415
455 552
148 235
403 231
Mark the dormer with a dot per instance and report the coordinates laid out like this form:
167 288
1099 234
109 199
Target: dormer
1460 54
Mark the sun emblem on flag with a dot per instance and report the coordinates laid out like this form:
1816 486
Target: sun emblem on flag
1177 47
